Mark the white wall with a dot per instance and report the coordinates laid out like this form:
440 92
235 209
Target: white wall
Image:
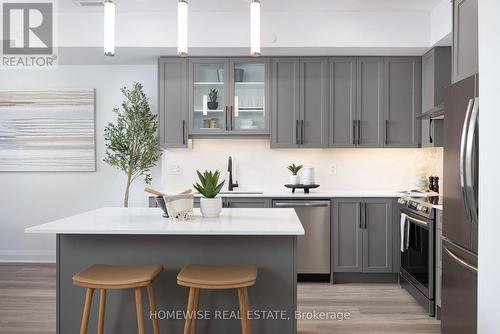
489 165
28 198
259 168
441 22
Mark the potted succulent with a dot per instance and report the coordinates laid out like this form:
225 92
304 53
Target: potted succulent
209 187
294 178
213 94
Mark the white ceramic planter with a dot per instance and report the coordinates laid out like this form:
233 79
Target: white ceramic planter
211 207
294 179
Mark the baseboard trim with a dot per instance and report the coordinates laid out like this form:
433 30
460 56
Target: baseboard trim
27 256
364 278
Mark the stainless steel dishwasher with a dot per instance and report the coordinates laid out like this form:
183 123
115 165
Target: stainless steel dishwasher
313 248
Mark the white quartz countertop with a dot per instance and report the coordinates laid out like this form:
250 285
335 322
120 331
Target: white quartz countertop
258 221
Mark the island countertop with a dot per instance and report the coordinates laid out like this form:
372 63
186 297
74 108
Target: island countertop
112 220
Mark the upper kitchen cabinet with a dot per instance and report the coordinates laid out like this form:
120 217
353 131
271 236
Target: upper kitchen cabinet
300 88
402 101
436 75
229 96
369 122
342 102
465 39
208 96
172 86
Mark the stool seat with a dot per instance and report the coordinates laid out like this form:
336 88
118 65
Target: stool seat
104 276
217 277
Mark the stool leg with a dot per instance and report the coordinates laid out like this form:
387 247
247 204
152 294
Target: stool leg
196 303
243 310
86 310
247 308
138 308
188 322
152 309
102 310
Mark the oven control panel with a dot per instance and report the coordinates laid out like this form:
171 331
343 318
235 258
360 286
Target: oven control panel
416 205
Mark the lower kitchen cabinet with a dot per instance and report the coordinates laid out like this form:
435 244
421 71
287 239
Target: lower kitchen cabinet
362 235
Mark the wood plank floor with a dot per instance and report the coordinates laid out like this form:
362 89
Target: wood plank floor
27 305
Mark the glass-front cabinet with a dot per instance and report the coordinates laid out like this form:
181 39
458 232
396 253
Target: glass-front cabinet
228 96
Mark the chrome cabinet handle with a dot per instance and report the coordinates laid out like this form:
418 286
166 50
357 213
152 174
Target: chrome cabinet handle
462 167
460 261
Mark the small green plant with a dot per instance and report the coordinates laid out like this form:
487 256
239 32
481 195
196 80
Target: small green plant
213 95
295 169
209 185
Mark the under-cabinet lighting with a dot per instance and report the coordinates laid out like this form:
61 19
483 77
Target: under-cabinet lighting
205 105
109 28
182 28
255 28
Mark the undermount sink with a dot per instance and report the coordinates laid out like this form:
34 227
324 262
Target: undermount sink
237 192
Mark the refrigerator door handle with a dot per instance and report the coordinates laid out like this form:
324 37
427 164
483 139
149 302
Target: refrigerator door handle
459 260
462 167
469 161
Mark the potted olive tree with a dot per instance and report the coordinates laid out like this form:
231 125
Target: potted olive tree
294 178
132 144
209 187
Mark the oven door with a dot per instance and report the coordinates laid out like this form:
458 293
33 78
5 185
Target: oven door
417 254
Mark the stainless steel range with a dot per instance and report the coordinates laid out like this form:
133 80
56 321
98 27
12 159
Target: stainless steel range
418 250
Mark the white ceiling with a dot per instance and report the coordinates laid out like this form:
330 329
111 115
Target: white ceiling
267 5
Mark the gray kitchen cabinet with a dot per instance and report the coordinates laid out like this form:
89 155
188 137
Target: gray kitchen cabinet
300 88
369 102
172 115
362 235
286 102
465 39
243 87
313 97
377 235
347 246
247 202
436 75
342 102
402 101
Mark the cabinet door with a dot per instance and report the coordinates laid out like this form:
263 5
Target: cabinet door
370 101
172 114
249 202
347 236
286 108
342 102
428 71
465 39
208 115
403 98
313 102
250 96
376 219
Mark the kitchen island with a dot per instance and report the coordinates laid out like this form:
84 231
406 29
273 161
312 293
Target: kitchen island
141 236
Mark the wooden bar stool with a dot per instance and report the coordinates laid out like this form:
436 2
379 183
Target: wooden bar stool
197 277
104 277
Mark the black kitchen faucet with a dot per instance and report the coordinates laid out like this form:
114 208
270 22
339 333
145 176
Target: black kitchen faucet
231 185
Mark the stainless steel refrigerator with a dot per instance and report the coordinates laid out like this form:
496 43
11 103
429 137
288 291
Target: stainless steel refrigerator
460 208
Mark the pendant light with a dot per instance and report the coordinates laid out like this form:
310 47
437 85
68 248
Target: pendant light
255 28
182 28
109 28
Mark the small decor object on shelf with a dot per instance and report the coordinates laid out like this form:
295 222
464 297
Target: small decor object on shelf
294 178
209 187
214 123
238 74
212 104
307 176
135 123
